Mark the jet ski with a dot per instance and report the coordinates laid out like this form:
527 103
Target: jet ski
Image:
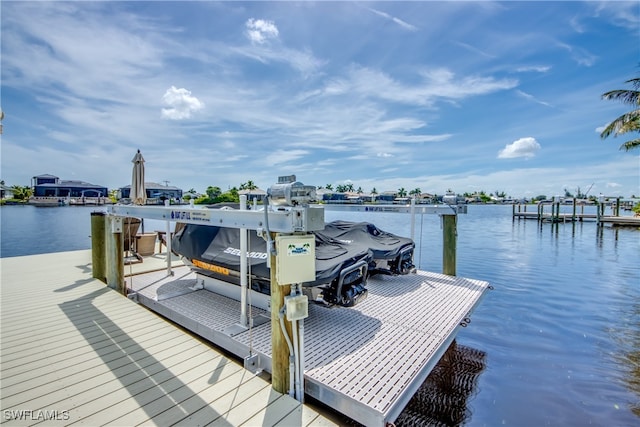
341 270
392 254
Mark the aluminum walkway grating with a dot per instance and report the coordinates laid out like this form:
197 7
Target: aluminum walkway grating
367 361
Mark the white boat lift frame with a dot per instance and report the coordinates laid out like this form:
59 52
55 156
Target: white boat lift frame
305 219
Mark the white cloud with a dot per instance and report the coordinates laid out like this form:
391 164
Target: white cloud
532 98
474 49
181 104
533 68
259 30
580 55
279 157
398 21
523 147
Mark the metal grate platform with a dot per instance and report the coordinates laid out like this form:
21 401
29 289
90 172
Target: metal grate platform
366 361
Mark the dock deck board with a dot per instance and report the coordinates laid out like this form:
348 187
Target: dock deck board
74 352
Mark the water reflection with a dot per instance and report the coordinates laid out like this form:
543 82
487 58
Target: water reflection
626 333
442 399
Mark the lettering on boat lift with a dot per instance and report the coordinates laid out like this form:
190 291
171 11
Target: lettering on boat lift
191 215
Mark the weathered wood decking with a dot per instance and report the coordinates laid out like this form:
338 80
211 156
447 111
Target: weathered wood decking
74 352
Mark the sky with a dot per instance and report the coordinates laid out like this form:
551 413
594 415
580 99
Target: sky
467 96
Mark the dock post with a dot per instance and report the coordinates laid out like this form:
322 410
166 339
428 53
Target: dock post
599 208
617 210
279 346
555 209
573 216
540 209
413 218
115 253
98 246
449 235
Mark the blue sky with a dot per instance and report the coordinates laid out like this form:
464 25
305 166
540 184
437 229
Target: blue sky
493 96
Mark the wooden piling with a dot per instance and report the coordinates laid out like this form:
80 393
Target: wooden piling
449 236
114 253
98 249
540 210
279 347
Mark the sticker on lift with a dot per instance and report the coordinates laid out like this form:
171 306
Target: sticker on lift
297 250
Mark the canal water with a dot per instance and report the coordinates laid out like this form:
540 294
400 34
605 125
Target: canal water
555 343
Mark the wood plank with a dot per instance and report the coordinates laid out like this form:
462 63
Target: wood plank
188 398
220 406
277 411
65 379
70 343
100 345
244 410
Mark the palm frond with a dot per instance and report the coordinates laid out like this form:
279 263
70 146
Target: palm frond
626 96
631 145
628 122
635 82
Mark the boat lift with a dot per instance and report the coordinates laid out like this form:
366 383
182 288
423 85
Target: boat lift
291 216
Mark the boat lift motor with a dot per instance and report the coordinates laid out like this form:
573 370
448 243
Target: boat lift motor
289 192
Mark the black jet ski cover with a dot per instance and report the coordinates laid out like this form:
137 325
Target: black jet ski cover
215 251
393 254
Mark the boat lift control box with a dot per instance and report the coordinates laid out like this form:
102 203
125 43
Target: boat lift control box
296 259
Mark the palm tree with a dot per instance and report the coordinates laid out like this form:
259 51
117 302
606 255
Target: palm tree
329 187
628 122
402 192
249 185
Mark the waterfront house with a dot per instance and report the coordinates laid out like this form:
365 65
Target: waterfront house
6 192
51 190
156 193
256 193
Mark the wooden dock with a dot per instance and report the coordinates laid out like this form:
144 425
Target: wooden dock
568 217
75 352
555 216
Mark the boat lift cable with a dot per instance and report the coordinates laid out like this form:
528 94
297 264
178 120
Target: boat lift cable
291 352
420 245
248 290
271 247
298 345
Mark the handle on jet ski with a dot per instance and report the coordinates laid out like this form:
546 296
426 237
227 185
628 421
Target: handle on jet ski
360 264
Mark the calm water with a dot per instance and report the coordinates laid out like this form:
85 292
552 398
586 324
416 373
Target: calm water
556 343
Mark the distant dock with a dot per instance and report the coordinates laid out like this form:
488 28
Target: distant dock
549 211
